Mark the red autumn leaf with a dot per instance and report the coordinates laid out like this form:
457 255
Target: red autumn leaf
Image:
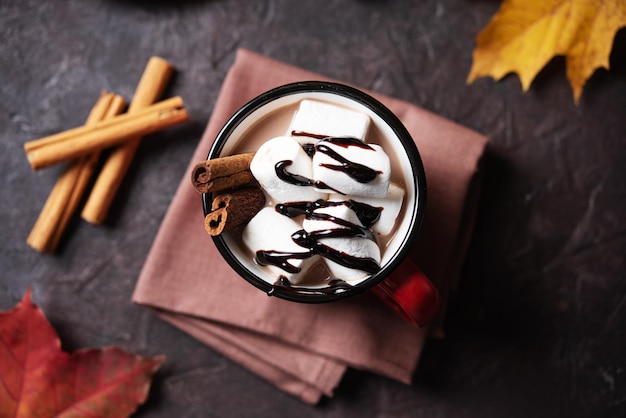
38 379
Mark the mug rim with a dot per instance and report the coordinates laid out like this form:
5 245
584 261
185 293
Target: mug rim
414 158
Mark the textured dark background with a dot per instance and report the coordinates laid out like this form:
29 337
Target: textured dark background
538 326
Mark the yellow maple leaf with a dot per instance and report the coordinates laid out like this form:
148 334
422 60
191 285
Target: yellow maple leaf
524 35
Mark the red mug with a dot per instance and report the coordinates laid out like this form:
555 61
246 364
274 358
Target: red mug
398 282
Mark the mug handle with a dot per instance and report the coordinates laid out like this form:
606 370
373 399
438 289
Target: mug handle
410 294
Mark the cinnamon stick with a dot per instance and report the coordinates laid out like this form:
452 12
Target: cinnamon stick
222 173
151 86
233 209
69 188
83 140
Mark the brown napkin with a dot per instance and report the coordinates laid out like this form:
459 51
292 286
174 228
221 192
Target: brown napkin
305 349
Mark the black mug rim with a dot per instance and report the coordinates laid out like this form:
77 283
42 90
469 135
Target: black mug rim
405 139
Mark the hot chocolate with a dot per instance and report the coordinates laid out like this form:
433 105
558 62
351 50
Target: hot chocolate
343 188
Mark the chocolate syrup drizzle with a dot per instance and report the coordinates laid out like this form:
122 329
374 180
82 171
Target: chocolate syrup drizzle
308 134
358 172
366 214
334 287
298 180
281 259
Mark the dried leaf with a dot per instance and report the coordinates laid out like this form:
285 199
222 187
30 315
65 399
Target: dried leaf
38 379
524 35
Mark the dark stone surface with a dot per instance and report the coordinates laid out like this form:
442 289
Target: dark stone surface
537 327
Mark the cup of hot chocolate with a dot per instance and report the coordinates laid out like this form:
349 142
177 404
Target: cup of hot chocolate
313 191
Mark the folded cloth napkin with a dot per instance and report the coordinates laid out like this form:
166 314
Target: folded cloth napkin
304 349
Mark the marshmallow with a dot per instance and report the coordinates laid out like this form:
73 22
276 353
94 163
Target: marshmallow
325 119
263 169
270 231
391 205
351 246
340 181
